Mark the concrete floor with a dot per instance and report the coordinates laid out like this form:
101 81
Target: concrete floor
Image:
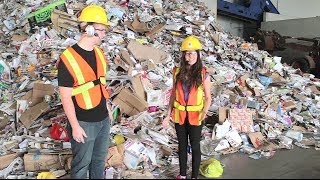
297 163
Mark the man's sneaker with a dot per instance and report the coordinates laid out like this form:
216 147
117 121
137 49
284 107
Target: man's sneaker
181 177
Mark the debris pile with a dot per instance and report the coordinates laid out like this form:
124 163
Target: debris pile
259 104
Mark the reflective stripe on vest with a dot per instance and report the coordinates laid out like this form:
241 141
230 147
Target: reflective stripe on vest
187 108
101 56
79 76
87 86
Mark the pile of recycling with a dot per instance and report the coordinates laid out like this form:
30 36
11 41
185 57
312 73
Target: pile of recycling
259 104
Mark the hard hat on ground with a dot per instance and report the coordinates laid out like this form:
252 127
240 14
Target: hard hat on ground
46 175
190 43
94 14
211 168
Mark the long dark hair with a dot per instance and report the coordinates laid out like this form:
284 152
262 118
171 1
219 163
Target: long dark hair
190 75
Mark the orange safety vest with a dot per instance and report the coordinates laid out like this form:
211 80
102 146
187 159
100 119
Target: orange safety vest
87 86
194 105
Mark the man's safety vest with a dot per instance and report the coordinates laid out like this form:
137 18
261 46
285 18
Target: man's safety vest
87 86
193 106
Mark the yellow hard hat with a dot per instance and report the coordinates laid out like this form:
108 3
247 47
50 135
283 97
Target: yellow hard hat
94 14
46 175
190 43
211 168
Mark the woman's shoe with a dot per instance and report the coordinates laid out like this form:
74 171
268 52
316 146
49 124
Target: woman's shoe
181 177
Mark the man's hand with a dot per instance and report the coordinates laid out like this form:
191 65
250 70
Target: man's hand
109 112
78 134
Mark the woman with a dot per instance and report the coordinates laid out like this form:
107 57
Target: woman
189 103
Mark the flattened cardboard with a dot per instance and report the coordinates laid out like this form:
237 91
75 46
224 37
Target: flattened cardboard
33 113
119 62
40 90
289 105
37 94
223 114
155 30
259 142
115 156
19 38
314 89
7 159
138 26
277 78
27 97
216 37
211 70
147 64
138 87
143 52
244 77
257 139
126 57
3 121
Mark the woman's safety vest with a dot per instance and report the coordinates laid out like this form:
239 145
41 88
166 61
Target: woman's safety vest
194 105
87 86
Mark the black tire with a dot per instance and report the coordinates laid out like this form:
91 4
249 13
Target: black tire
301 64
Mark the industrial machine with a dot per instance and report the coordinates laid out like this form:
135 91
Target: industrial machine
246 9
299 52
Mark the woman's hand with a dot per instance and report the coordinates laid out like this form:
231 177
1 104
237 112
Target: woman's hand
203 116
165 122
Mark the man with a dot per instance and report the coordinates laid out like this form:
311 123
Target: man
81 78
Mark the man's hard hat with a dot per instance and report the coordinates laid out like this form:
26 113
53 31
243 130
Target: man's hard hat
94 14
190 43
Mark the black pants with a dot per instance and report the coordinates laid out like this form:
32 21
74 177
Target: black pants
194 133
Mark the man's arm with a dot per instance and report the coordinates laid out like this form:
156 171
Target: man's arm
68 106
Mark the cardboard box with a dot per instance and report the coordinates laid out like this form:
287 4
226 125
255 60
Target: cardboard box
129 102
44 162
241 120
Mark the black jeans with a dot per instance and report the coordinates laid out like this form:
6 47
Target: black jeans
194 133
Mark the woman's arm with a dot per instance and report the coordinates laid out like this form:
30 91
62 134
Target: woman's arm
207 97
